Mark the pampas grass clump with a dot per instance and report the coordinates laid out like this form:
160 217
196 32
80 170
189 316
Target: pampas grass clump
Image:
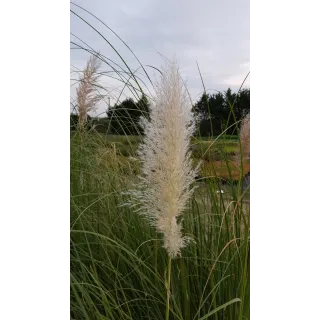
117 270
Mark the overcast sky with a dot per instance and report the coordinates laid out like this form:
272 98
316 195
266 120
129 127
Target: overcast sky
214 33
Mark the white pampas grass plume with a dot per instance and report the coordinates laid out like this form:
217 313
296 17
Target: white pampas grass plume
244 139
87 94
167 171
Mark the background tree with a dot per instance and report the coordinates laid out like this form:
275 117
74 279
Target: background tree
124 117
215 112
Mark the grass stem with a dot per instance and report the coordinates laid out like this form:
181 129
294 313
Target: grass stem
168 288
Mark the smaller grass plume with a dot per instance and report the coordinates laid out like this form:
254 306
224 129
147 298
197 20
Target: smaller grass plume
244 139
87 93
167 170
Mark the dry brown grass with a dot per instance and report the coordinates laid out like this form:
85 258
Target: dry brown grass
220 169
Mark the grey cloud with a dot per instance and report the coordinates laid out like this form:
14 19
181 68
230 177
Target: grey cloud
214 33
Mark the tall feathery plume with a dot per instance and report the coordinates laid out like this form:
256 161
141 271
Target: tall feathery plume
167 170
87 94
244 139
166 165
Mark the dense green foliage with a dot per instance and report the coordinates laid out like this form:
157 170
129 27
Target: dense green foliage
216 112
118 265
124 117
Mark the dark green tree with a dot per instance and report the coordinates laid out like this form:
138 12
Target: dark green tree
201 107
218 111
125 117
74 120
